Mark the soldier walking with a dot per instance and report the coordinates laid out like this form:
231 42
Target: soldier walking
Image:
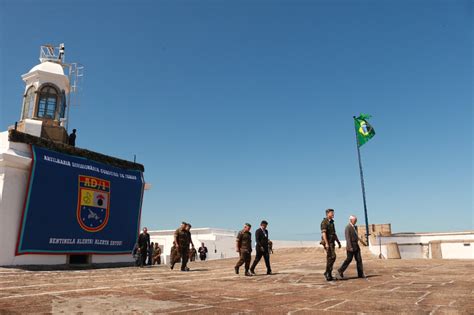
174 255
329 237
244 248
182 239
188 230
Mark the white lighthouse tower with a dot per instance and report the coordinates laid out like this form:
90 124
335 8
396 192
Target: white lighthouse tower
47 97
43 124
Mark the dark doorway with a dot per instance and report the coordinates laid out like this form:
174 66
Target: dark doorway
79 259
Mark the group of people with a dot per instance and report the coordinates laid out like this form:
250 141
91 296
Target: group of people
329 239
149 253
146 252
263 247
182 252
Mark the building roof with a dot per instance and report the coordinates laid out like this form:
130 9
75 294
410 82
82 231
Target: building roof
48 66
16 136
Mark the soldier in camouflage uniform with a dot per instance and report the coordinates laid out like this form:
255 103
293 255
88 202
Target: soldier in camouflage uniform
182 239
174 256
244 248
329 237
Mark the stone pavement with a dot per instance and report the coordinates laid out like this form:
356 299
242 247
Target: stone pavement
298 287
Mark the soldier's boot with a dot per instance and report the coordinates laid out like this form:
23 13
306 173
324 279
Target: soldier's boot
247 273
252 271
340 273
172 266
236 270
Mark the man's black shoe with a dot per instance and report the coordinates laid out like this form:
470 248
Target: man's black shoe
236 270
269 273
248 274
252 271
362 276
186 269
340 273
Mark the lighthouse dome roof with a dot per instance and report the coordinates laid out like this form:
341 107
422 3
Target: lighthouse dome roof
48 66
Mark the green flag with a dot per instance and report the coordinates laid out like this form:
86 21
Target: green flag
364 130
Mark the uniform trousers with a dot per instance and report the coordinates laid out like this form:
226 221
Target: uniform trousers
245 257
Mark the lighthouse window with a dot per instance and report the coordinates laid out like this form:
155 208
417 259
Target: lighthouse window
29 103
47 102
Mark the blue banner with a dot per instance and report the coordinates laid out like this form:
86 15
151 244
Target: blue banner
75 205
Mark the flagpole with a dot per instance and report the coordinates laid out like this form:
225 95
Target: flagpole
363 188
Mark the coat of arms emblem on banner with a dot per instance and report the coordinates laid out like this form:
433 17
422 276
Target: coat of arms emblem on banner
93 203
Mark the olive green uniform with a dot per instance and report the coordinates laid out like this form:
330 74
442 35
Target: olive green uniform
328 227
244 244
183 238
174 256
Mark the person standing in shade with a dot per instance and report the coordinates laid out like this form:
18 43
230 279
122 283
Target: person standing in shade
150 253
143 244
157 254
72 138
202 252
182 239
261 239
352 248
192 253
329 237
244 248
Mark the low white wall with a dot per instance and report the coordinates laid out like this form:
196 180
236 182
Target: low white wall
457 250
454 245
101 259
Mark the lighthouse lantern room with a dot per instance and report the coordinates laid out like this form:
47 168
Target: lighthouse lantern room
47 96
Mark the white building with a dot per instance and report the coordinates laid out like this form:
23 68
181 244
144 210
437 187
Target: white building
448 245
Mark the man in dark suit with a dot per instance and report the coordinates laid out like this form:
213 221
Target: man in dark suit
143 244
202 252
353 249
261 237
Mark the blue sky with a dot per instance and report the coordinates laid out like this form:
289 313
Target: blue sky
242 110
